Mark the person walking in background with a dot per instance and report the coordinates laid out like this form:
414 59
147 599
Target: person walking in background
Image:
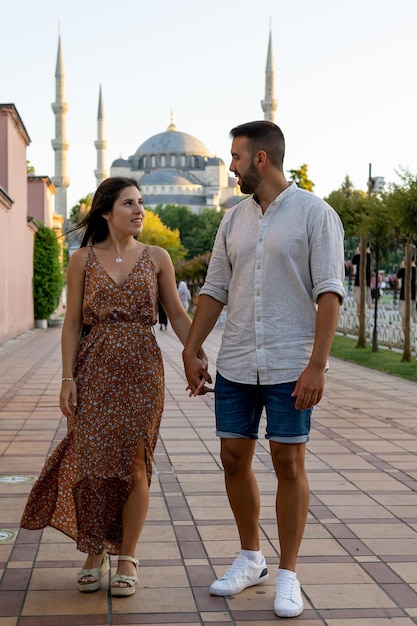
278 265
95 485
401 303
356 260
184 294
162 317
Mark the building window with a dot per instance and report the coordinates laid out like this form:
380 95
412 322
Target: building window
163 160
183 160
153 160
172 160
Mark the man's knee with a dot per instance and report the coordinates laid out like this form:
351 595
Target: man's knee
236 455
288 460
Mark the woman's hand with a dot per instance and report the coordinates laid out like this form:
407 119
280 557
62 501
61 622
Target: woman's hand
68 398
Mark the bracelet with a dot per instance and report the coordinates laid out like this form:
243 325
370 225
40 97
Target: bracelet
67 379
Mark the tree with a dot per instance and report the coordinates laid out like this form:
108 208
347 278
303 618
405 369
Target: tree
401 200
202 234
197 231
156 233
353 208
29 168
80 209
48 278
300 176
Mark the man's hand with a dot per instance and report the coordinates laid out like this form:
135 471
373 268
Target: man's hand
197 374
309 387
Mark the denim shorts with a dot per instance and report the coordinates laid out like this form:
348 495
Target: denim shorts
239 408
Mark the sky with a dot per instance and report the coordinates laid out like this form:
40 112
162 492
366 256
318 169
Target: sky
345 79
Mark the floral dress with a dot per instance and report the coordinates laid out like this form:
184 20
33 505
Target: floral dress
120 395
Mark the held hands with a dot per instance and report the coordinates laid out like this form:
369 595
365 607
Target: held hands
309 387
196 372
68 398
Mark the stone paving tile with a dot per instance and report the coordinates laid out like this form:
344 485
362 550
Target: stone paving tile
358 559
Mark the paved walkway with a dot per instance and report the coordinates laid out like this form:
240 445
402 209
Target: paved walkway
358 559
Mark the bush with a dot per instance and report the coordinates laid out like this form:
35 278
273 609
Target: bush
48 279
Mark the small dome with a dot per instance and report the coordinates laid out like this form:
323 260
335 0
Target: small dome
120 163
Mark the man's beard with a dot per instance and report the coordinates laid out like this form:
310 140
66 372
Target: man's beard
251 180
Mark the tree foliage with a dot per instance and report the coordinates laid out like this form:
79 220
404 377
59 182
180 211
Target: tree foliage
156 233
48 278
197 231
194 270
300 176
80 209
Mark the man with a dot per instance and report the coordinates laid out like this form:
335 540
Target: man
278 256
355 262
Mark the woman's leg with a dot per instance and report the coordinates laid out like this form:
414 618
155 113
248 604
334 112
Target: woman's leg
134 514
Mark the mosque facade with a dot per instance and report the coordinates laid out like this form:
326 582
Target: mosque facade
171 167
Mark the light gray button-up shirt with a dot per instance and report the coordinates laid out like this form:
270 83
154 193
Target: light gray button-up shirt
269 269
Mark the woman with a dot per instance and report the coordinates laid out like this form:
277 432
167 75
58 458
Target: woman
184 294
95 485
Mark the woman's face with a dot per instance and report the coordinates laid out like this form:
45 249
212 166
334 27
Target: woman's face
128 213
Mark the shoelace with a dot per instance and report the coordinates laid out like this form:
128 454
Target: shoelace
236 565
285 587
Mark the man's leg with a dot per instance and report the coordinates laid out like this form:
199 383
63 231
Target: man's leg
249 568
292 509
292 499
242 489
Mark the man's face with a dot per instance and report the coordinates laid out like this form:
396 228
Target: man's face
243 167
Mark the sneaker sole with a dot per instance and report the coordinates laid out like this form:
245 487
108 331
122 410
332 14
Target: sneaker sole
260 581
289 613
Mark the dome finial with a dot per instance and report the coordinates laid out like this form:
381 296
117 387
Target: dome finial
172 125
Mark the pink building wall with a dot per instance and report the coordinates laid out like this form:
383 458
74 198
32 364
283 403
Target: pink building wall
16 233
40 199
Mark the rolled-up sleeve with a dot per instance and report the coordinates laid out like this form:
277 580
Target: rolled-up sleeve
327 255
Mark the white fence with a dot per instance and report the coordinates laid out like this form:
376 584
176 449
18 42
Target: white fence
389 327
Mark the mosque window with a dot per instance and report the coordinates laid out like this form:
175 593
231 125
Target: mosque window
163 160
153 160
173 160
183 160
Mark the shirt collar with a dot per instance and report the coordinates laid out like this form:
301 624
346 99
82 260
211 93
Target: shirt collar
281 196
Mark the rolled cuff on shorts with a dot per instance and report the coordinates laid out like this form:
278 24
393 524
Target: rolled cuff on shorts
299 439
223 435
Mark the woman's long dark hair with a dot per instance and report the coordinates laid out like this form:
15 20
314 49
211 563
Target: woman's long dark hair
93 224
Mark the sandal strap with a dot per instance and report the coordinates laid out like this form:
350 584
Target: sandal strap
124 557
132 581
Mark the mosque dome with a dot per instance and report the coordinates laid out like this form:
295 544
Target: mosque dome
172 141
169 177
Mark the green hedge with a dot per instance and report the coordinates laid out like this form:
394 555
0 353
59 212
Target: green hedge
48 278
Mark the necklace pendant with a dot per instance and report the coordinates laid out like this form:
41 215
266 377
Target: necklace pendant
118 259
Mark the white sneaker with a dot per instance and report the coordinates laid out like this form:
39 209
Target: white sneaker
288 600
243 573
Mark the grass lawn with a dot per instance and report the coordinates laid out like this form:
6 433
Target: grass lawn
384 360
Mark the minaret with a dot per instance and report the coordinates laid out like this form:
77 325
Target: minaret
101 172
60 144
269 104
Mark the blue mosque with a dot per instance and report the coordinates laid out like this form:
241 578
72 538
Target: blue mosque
171 167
